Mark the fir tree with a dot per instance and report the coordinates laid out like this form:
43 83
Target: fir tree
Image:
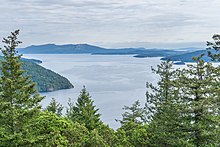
133 125
200 101
214 48
163 108
19 100
134 114
157 95
84 111
55 107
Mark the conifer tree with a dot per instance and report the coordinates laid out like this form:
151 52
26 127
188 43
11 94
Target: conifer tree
55 107
134 114
186 106
200 101
19 100
214 48
163 108
133 125
157 95
84 111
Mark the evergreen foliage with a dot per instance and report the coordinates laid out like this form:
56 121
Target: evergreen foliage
19 101
157 95
214 48
84 111
162 107
49 129
46 80
200 101
55 107
134 114
133 127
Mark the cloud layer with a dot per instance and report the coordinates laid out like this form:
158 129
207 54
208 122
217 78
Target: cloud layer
89 21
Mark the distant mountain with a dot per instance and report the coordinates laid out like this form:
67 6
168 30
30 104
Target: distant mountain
187 57
61 49
158 53
90 49
189 49
178 54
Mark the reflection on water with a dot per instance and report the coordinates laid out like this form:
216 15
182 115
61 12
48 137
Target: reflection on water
112 81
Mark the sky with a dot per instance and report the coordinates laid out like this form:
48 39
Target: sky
112 23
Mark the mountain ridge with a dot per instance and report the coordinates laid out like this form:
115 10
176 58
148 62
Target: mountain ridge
179 54
95 50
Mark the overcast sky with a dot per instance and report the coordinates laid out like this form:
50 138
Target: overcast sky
111 23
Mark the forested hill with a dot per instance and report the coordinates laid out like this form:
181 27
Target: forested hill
90 49
187 57
45 79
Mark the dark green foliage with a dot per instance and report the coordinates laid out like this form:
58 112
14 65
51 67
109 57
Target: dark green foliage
55 107
164 129
157 95
48 129
134 114
185 106
84 111
200 101
133 129
214 48
123 140
46 79
162 107
108 135
133 134
19 101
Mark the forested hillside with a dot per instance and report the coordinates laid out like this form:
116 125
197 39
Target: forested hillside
46 79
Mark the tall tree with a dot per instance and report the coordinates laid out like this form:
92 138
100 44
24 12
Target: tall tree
214 48
156 95
19 100
186 106
133 126
84 111
134 113
163 107
55 107
200 101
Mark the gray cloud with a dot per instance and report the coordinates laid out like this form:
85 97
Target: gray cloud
78 21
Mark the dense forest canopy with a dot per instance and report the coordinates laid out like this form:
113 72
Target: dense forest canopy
182 109
46 80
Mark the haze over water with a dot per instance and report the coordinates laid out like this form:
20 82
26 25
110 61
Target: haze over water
112 81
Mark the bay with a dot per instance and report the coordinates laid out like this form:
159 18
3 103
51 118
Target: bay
112 81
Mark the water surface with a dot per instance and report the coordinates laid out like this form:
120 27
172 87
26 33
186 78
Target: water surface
112 81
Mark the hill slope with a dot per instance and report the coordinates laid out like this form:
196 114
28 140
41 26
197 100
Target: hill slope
187 57
46 80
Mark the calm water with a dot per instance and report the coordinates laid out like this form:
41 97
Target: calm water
112 81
